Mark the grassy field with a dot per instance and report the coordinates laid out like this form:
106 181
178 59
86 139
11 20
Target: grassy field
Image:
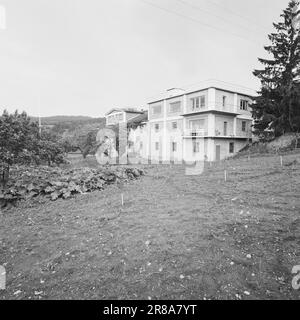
176 237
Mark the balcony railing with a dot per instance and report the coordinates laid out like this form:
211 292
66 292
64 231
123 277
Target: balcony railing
213 107
190 133
231 135
195 133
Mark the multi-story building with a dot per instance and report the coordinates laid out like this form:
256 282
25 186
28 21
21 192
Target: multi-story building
215 114
212 121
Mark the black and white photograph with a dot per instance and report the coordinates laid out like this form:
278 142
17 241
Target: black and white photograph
149 152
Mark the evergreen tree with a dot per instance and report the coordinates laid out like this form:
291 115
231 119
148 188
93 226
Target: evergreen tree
278 105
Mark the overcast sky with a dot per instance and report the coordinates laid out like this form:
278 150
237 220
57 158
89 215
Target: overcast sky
84 57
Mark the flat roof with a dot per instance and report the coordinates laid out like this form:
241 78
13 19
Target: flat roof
205 85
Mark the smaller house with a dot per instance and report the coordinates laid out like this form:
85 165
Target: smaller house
136 139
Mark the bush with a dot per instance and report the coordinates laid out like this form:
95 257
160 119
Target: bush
54 183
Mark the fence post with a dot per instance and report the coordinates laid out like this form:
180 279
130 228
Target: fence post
2 278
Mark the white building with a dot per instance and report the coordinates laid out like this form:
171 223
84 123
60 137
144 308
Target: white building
136 137
212 120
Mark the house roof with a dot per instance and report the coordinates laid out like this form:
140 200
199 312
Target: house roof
139 118
127 110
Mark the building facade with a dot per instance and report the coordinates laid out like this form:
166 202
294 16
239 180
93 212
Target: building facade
214 120
209 122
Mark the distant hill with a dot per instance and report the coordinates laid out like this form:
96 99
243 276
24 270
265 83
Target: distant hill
53 120
70 124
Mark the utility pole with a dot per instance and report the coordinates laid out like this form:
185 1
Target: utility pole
39 115
40 126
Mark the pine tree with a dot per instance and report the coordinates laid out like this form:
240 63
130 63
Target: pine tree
278 105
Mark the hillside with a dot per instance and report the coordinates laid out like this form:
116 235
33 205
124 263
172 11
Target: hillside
71 124
176 237
52 120
285 143
68 121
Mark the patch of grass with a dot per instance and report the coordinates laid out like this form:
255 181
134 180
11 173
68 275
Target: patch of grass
176 237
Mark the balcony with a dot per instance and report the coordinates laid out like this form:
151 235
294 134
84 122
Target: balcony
229 110
191 133
220 135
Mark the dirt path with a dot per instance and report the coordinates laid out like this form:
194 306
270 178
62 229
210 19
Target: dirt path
176 237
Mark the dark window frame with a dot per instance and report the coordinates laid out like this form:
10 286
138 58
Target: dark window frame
225 128
196 147
244 126
224 100
231 147
244 104
174 146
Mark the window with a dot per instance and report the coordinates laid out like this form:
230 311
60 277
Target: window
196 147
120 117
195 103
156 127
156 146
224 101
197 124
174 125
244 123
198 102
202 101
231 147
225 128
244 104
175 107
156 110
115 118
174 146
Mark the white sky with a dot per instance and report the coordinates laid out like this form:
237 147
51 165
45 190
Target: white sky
84 57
